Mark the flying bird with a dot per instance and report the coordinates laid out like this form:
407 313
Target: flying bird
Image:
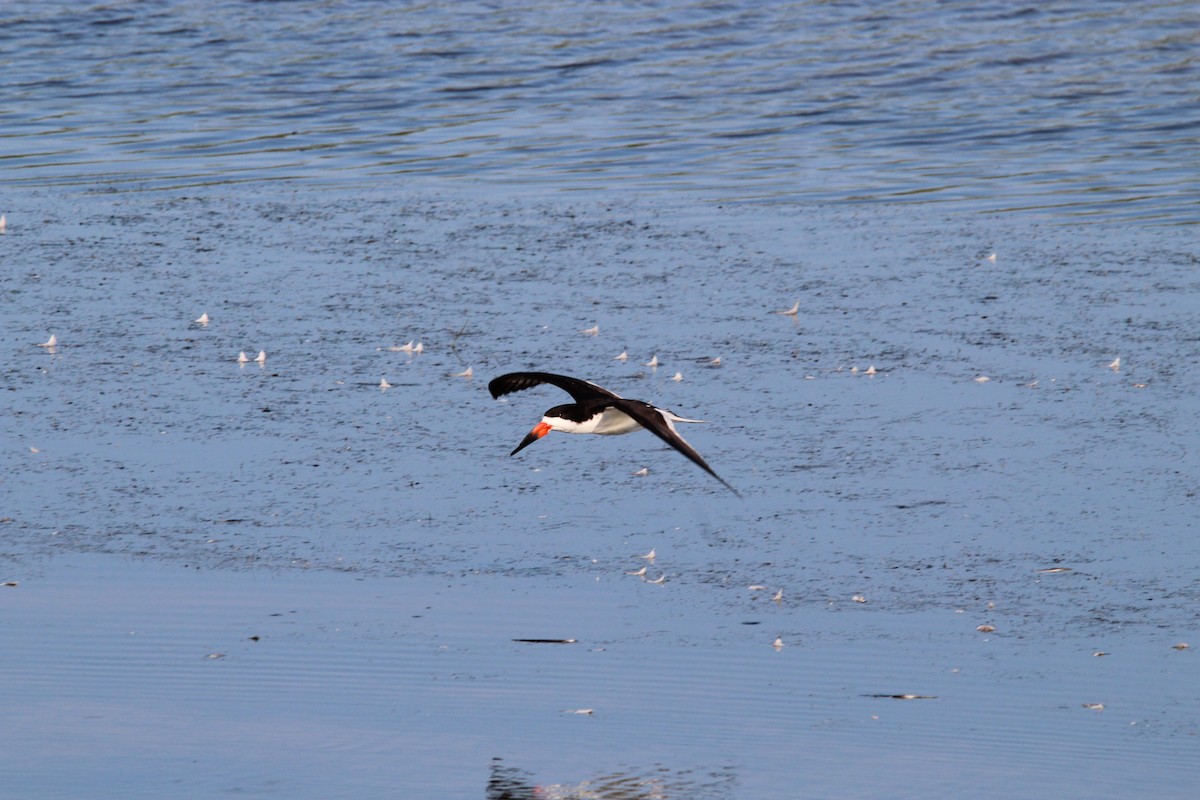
597 410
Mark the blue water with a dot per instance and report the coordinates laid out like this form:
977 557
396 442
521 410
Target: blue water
988 205
1072 108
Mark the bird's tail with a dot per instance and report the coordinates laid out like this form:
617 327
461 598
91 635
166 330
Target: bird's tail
671 415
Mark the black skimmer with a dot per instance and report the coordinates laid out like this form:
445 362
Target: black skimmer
597 410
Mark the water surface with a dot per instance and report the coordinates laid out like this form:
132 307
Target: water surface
283 580
1082 109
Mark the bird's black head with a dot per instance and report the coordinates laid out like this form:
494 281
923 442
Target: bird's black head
575 412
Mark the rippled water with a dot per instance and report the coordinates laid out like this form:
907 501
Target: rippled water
1079 108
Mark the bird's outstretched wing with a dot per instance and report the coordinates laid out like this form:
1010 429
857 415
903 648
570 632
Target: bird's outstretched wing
653 420
581 391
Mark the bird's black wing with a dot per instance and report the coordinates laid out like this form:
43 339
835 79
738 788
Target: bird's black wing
581 391
653 420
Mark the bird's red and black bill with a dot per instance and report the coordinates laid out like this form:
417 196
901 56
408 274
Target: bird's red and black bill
539 430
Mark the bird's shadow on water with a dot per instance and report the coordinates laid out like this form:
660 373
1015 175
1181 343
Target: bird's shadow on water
512 783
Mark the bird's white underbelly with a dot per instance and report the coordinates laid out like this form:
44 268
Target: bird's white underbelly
609 423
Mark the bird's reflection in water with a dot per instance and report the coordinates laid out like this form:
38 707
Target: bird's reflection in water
658 783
